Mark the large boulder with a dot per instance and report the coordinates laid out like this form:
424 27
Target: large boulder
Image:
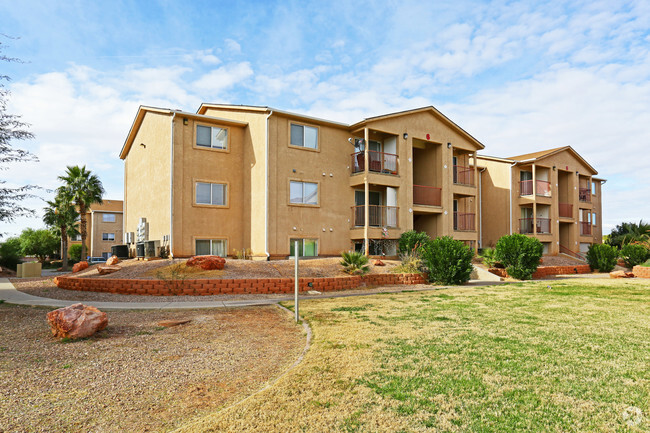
105 270
621 274
79 267
112 261
207 262
76 321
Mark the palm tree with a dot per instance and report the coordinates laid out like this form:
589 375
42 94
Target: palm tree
82 188
61 215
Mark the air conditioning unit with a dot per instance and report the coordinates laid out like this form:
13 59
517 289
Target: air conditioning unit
142 232
121 251
151 248
139 249
129 238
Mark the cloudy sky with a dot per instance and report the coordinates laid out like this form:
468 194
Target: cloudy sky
519 76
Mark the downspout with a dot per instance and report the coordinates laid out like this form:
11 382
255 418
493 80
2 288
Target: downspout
480 207
266 191
171 188
510 216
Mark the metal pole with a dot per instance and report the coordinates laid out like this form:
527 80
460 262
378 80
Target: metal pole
295 279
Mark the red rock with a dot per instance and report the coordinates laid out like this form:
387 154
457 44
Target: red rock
105 270
629 275
76 321
207 262
379 263
112 261
79 266
170 323
621 274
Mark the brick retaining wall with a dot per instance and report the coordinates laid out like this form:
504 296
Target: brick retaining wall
641 271
206 287
547 271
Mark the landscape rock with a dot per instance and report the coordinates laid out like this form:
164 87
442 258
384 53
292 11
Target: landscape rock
76 321
379 263
170 323
207 262
105 270
112 261
79 267
621 274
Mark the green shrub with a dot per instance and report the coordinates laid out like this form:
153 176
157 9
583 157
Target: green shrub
489 256
448 260
519 254
602 257
10 253
74 252
634 254
411 263
354 263
412 240
646 264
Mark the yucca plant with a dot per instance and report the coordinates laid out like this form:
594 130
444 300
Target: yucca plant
354 263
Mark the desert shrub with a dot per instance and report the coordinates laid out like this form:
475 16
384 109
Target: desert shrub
519 254
354 263
602 257
489 256
10 253
411 263
412 240
75 252
448 261
244 254
634 254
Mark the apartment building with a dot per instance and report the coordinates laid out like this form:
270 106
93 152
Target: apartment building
104 228
231 177
553 195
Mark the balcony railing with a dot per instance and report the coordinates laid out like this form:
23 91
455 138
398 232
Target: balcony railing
585 228
543 188
527 225
427 195
566 210
378 216
584 195
379 162
463 175
464 221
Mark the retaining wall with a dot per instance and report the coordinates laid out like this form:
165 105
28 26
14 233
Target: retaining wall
206 287
547 271
641 271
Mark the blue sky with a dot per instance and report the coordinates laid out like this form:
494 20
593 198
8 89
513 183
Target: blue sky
519 76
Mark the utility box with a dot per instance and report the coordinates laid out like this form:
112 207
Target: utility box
29 270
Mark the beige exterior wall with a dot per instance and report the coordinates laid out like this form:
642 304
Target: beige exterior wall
98 246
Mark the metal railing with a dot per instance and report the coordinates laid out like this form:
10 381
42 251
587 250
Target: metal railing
379 162
527 225
427 195
378 216
464 221
568 252
584 195
585 228
566 210
543 188
463 175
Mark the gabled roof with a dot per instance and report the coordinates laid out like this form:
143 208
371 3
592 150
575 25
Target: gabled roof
431 109
536 156
107 206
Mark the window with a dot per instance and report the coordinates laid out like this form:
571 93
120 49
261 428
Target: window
303 192
108 236
593 218
211 136
215 247
306 247
304 136
108 217
106 255
76 238
593 188
211 193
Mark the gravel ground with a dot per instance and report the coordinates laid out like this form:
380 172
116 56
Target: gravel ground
136 376
561 260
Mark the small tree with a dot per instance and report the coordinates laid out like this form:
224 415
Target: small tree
75 252
634 254
519 254
449 261
412 240
626 233
40 243
602 257
10 253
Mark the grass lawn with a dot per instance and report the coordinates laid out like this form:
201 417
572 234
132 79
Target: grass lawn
574 356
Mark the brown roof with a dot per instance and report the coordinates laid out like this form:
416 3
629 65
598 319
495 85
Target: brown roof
107 206
546 153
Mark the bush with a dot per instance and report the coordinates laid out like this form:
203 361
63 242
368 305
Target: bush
448 260
354 263
634 254
490 258
411 263
74 252
10 253
602 257
519 254
412 240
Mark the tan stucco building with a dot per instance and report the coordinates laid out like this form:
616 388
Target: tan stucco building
104 228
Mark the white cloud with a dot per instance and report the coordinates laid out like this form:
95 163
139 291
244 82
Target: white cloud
215 82
232 46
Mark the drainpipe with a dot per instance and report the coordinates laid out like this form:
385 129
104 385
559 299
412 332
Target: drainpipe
171 188
266 191
480 207
510 216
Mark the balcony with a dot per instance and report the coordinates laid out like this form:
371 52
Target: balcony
584 195
585 228
464 222
380 162
378 216
543 188
566 210
463 175
527 225
427 195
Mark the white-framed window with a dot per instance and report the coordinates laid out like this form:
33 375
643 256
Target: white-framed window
77 238
108 236
108 217
214 247
211 193
306 247
593 219
304 136
303 192
211 136
593 188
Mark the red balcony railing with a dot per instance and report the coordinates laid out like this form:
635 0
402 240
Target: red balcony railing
464 221
427 195
526 187
584 195
566 210
378 216
463 175
527 225
585 228
543 187
379 162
